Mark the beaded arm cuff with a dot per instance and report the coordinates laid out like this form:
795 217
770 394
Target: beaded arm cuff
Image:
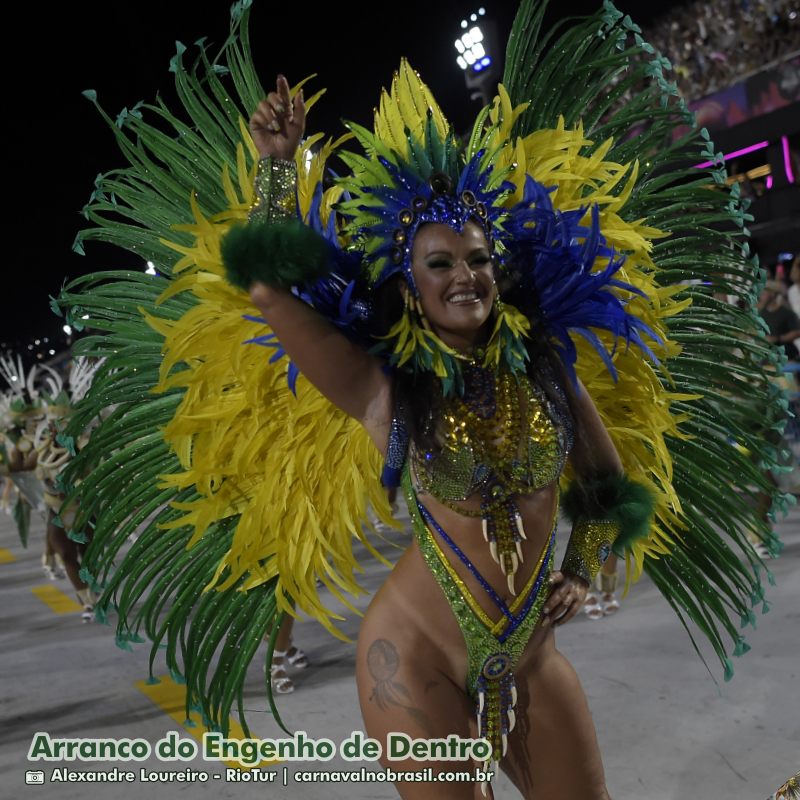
276 191
588 548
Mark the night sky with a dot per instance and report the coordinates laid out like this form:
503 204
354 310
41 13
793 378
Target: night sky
57 143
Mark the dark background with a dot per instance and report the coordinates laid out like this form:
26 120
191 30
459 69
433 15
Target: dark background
57 142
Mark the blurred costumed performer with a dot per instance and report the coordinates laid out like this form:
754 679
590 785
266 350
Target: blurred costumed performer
37 408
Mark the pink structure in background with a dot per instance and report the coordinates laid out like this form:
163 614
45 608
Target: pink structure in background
787 162
751 148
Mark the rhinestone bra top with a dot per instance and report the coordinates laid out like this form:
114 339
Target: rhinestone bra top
502 437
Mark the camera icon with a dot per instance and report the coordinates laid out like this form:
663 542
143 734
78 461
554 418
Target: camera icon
34 776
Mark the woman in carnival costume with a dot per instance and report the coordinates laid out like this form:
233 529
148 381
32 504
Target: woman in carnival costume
32 416
479 323
20 414
480 470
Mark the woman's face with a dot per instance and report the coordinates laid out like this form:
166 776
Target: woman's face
455 279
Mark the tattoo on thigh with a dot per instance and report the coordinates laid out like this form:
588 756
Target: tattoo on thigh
383 662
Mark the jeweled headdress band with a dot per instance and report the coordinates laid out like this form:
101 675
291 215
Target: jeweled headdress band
407 183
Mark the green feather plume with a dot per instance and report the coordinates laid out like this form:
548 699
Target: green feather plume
600 71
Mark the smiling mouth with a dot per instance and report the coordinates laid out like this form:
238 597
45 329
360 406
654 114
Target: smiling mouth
464 298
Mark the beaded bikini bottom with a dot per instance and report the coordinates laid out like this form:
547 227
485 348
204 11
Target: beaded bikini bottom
493 648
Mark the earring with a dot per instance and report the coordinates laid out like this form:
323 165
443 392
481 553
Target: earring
417 314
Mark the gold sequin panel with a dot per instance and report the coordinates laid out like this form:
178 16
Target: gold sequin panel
589 546
522 444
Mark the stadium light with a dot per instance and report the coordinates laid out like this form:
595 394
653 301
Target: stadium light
475 51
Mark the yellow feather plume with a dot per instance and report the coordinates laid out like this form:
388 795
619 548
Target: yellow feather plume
297 471
406 105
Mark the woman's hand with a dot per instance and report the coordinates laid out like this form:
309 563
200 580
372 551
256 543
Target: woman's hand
278 124
566 598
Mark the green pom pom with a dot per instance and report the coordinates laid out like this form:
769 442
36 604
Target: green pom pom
278 255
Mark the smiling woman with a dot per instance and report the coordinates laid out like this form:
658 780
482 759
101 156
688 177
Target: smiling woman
494 450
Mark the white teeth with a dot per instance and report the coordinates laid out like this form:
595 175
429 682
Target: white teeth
465 297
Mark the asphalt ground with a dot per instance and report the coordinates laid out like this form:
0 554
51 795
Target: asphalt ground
667 729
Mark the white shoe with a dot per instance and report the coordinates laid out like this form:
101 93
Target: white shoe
761 550
592 606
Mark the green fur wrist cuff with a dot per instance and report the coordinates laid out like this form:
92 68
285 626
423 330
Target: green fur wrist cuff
612 498
279 255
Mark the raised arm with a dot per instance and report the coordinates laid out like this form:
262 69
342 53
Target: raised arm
347 375
278 124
